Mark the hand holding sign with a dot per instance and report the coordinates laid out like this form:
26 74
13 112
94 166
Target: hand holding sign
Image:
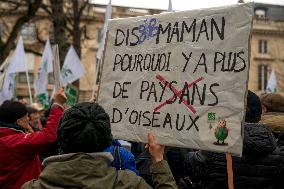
156 150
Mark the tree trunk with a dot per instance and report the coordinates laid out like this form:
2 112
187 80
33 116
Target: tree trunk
59 24
76 28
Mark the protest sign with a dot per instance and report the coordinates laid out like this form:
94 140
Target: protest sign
181 75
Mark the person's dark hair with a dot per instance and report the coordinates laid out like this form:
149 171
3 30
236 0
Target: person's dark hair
84 127
254 109
31 110
11 111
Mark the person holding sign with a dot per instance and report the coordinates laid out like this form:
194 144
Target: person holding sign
83 134
20 147
261 167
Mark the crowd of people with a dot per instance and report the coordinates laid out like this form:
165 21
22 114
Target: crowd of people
74 148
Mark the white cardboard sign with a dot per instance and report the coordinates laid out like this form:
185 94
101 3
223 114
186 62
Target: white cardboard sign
181 75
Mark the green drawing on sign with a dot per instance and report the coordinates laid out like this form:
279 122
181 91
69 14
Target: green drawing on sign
211 116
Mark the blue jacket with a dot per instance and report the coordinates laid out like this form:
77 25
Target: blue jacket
123 159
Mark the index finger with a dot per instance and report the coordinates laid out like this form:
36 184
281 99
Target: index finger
152 139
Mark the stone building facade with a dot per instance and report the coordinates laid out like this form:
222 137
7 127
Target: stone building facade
41 28
267 47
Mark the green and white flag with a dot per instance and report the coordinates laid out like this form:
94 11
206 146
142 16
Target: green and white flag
43 99
71 94
104 31
72 68
17 64
272 82
46 67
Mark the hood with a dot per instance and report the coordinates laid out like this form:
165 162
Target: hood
7 126
78 170
274 120
258 140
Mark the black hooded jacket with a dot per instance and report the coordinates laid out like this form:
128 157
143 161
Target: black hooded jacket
261 167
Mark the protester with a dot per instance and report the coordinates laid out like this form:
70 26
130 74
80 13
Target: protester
123 159
84 132
273 112
261 167
174 157
34 118
22 100
20 146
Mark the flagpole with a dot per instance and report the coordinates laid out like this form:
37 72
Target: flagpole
96 77
28 81
101 48
29 86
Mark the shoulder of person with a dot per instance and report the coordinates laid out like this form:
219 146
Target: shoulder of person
128 179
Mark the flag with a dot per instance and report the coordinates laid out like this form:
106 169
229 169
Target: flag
72 68
170 7
272 82
104 31
45 68
17 64
102 43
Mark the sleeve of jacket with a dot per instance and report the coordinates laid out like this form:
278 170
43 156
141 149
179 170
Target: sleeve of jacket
128 161
34 143
162 176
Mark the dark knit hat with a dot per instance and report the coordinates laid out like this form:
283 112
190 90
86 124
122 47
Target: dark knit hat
84 127
11 111
254 109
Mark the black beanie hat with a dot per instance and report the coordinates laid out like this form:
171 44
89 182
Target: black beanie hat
11 111
84 127
254 109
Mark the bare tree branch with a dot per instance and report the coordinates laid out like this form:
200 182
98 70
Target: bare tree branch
33 6
46 9
86 2
30 50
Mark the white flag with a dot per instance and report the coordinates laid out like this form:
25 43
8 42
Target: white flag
46 67
104 31
17 64
72 68
170 7
272 82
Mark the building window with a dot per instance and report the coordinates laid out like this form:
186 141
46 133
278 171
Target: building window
99 32
259 13
262 46
28 31
22 78
50 78
262 77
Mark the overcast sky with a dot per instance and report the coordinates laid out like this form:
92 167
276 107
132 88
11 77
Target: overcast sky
179 4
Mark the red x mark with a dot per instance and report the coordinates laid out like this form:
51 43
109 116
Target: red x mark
176 92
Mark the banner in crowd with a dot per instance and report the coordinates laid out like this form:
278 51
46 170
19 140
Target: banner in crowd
181 75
